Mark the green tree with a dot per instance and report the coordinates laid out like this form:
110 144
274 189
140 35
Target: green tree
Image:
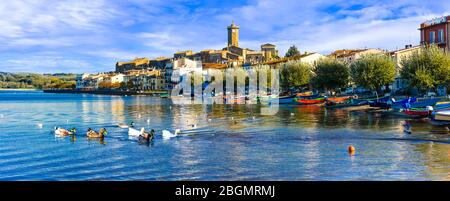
294 74
373 71
292 51
330 75
427 68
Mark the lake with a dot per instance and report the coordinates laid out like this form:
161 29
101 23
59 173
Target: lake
229 142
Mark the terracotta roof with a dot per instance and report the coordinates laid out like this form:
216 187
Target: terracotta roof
214 65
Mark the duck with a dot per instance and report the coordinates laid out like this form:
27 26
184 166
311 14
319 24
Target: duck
167 134
146 137
122 125
93 134
63 132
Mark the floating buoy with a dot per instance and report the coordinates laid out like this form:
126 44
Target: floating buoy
253 117
351 150
148 121
40 125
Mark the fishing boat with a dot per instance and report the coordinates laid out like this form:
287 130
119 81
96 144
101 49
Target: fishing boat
440 117
309 96
384 102
426 111
424 103
286 99
417 112
347 103
310 101
402 104
337 99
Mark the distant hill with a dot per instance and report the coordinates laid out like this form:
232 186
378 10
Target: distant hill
36 81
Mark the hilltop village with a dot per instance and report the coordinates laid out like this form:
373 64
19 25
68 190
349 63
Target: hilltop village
155 75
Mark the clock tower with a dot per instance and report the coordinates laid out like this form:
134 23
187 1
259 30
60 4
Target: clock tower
233 35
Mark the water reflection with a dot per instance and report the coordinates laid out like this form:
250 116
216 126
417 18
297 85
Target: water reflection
227 142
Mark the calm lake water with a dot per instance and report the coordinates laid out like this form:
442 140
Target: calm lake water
310 144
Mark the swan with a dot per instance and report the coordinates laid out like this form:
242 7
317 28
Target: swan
92 134
63 132
135 133
167 134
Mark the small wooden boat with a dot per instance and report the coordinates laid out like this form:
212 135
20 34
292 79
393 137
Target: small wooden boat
424 103
311 101
286 100
308 93
417 112
384 102
442 115
402 104
309 96
337 99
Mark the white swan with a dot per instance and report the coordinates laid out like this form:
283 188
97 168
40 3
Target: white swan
167 134
135 133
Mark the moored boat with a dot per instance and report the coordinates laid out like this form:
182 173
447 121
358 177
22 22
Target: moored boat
384 102
440 117
424 103
311 101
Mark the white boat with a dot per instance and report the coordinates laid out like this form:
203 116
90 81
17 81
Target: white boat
442 115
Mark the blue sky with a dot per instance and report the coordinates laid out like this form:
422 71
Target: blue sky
91 35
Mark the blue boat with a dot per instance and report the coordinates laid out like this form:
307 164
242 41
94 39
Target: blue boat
384 102
424 103
402 104
286 99
309 97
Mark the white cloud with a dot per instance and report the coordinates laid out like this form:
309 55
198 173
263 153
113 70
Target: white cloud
95 34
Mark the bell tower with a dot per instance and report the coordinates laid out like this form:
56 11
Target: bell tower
233 35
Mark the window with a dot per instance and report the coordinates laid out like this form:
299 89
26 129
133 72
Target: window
440 36
432 37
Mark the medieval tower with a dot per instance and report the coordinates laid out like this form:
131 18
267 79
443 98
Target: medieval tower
233 35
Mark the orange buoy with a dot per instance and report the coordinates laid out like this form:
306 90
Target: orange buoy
351 150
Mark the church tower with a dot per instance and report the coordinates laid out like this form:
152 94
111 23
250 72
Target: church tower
233 35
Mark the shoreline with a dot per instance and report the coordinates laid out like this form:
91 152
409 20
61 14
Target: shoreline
104 92
4 89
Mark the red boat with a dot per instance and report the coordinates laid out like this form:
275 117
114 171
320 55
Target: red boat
310 101
417 113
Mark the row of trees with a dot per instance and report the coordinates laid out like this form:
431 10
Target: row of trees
424 69
36 81
371 72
